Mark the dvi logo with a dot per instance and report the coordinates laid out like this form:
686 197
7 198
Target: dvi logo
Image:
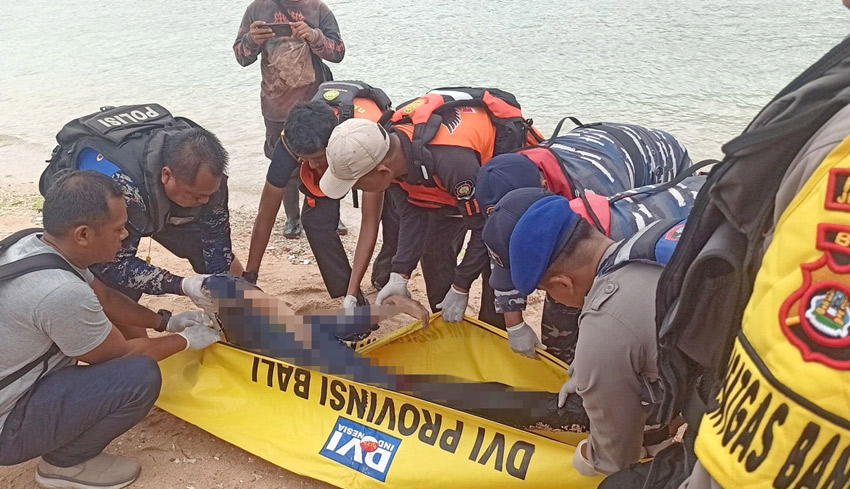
365 450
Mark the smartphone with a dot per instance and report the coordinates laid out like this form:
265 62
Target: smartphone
282 29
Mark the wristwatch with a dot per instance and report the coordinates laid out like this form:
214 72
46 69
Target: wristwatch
251 276
163 323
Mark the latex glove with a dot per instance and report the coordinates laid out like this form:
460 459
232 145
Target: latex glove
179 322
199 337
454 305
350 302
192 289
568 388
523 340
397 285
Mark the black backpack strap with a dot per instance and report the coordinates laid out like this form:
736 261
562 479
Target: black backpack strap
14 238
9 379
557 130
15 269
690 171
43 261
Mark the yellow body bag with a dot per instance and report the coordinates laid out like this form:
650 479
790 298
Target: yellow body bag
357 436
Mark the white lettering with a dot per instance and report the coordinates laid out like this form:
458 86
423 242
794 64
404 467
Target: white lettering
103 122
150 112
358 452
112 121
334 441
380 465
138 114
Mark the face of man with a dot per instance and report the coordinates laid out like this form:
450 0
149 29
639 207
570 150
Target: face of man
104 241
195 194
317 160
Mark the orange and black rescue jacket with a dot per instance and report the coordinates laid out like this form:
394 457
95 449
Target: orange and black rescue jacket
487 121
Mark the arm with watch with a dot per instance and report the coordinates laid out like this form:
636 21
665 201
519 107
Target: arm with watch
121 310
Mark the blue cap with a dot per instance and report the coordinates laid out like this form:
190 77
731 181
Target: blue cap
537 238
497 232
502 174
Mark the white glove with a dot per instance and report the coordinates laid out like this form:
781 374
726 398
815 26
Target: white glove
454 305
568 388
199 337
184 320
523 340
397 285
192 289
350 302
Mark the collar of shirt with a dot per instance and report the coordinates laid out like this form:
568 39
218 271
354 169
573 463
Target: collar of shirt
606 255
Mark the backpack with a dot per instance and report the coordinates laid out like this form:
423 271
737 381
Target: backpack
341 94
129 136
513 131
9 271
720 252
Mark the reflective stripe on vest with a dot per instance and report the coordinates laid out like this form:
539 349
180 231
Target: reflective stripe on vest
784 412
653 244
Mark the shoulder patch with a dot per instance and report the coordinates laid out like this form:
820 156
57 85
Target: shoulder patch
464 190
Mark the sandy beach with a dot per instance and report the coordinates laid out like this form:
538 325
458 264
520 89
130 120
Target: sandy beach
173 453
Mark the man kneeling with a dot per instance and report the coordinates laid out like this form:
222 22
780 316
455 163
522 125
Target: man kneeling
58 314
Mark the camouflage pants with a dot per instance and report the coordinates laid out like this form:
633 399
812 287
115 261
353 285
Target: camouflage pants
559 329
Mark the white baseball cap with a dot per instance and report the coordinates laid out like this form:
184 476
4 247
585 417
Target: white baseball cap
354 149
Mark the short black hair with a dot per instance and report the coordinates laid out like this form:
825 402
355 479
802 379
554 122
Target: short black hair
187 150
78 198
309 127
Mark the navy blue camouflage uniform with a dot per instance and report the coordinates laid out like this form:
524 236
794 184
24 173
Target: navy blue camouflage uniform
204 241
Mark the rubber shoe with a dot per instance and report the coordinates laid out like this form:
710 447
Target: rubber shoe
102 472
292 229
341 230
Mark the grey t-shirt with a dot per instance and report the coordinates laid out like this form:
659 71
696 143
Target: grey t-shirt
39 309
616 345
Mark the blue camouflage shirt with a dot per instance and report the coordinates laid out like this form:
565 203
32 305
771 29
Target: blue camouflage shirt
135 273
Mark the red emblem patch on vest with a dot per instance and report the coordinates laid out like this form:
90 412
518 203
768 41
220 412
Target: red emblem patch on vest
675 233
816 317
838 190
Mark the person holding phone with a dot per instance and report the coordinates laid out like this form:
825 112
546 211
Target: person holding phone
292 38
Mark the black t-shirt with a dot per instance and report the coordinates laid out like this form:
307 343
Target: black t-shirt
456 168
284 166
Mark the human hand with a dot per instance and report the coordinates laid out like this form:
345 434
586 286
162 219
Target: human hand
568 388
397 285
454 305
179 322
192 288
260 33
410 307
523 340
304 31
350 302
199 337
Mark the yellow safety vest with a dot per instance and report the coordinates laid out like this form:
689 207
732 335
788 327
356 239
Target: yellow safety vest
784 417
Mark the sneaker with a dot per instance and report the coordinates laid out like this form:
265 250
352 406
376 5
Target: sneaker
341 230
102 472
292 229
